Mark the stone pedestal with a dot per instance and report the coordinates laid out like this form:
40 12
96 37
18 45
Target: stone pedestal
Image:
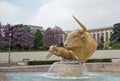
68 69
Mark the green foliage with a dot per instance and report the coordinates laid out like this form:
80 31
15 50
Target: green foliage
98 60
4 49
52 61
108 44
38 40
115 45
101 44
115 37
25 26
33 31
41 62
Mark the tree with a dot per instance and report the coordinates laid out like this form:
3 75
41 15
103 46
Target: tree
20 37
5 35
24 26
115 37
38 40
0 31
0 35
108 43
52 36
101 44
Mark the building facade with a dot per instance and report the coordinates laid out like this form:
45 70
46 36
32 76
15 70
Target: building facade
106 32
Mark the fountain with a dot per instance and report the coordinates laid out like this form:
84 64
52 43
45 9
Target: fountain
78 46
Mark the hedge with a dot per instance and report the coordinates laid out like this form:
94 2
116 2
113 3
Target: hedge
98 60
41 62
52 61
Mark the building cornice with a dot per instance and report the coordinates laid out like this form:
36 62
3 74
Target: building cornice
101 28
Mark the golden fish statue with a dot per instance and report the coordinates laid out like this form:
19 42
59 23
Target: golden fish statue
78 45
80 42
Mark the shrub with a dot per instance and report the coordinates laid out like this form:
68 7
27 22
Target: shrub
41 62
98 60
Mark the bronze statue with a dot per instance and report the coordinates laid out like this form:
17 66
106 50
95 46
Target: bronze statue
80 42
60 51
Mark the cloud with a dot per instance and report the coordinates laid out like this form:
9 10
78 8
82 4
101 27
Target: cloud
9 12
93 13
51 14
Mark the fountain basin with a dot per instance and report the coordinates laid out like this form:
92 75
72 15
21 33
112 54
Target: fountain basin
68 69
20 75
45 76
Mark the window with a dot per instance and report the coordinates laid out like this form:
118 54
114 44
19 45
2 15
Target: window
94 36
98 37
106 36
102 35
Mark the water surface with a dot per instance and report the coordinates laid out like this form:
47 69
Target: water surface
45 76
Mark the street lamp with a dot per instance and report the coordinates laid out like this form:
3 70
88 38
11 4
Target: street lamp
9 49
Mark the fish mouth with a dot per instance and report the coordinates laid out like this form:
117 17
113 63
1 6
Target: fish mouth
49 55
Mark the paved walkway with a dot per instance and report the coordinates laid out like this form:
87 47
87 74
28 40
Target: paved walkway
3 77
6 64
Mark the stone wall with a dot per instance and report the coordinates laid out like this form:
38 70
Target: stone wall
40 55
36 68
92 67
20 56
104 67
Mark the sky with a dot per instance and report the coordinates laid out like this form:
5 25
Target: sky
48 13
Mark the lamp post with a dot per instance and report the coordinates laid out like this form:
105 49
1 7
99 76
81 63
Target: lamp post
9 60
